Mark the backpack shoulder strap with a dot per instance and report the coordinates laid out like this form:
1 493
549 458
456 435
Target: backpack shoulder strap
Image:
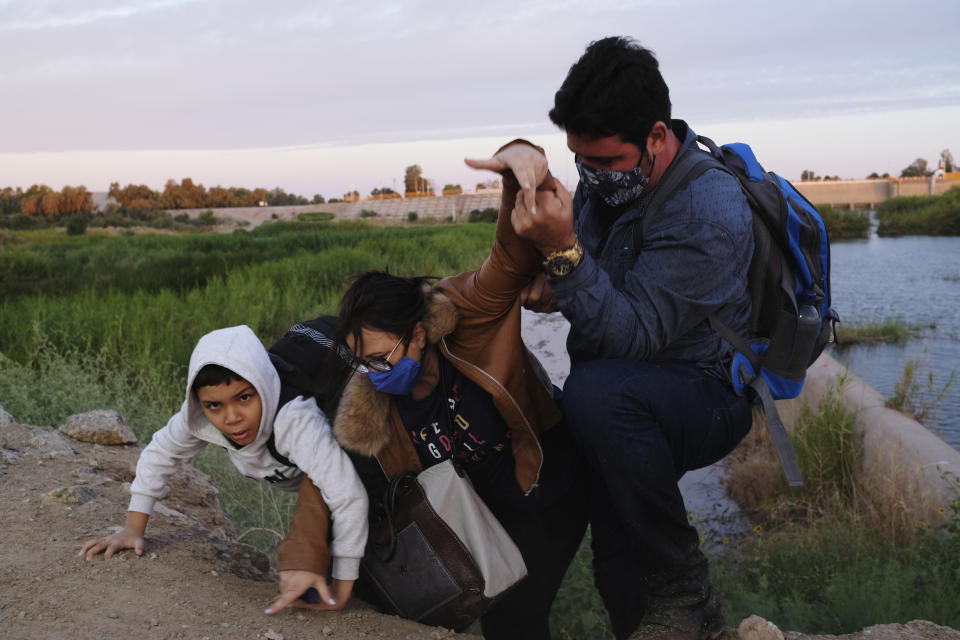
688 165
272 448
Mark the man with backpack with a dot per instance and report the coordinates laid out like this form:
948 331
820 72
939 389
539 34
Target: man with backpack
649 395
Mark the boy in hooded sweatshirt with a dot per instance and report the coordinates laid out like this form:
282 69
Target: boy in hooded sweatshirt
232 398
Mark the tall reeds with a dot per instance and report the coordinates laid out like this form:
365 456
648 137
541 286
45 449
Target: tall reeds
136 306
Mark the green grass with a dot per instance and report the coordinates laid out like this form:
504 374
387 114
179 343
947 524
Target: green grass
830 558
157 324
835 576
891 330
53 263
920 215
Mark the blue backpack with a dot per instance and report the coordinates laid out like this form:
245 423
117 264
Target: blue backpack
789 282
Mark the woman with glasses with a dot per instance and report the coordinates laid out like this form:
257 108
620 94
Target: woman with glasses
443 373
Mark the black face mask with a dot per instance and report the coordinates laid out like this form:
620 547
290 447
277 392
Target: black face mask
616 188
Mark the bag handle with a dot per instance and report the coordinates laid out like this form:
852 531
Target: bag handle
445 398
385 553
383 511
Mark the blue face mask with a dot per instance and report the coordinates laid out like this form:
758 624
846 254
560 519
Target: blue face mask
399 380
615 187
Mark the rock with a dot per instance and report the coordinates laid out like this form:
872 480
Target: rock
5 418
756 628
8 456
163 509
241 560
73 495
273 635
99 427
47 443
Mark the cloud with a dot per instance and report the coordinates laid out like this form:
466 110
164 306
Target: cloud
40 16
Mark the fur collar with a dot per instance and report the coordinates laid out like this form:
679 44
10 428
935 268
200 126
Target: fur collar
362 424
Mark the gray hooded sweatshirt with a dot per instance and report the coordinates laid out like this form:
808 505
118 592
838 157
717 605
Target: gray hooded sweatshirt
300 432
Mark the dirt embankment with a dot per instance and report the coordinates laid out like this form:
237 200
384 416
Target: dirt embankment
194 581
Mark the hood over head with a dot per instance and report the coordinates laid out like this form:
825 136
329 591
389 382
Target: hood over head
240 350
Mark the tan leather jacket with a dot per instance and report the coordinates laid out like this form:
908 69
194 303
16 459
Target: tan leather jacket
474 319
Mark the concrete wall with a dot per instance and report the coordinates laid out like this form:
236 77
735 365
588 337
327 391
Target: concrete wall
866 194
903 459
439 207
840 193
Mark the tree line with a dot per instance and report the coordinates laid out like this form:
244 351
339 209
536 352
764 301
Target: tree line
41 201
187 195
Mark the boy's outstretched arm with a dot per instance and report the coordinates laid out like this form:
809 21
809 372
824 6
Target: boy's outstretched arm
130 537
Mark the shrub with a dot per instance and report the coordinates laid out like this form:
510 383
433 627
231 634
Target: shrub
315 216
77 224
483 215
368 213
926 215
23 221
412 216
845 223
206 219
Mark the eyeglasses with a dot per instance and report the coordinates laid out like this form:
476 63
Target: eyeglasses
381 363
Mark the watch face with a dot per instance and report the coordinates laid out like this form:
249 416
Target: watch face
560 265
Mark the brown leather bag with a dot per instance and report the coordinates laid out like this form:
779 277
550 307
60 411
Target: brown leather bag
436 554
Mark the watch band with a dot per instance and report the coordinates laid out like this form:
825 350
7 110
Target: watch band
560 263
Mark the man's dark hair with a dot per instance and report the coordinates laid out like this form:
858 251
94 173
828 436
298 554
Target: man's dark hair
615 88
381 301
211 375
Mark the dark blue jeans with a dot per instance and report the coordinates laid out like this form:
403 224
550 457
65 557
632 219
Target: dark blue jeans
641 426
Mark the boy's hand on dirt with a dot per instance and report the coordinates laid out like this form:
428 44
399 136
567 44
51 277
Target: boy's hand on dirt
293 584
123 539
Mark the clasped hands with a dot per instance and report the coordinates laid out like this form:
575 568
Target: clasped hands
542 212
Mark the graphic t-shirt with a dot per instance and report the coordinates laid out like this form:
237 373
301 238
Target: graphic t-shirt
470 433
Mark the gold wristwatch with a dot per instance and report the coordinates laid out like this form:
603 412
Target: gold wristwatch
560 263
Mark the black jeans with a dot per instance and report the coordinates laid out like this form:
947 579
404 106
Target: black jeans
547 526
641 426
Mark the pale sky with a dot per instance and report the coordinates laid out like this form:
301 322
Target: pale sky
325 97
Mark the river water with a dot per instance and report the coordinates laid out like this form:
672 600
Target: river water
915 279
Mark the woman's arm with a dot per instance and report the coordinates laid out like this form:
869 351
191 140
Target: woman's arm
513 262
